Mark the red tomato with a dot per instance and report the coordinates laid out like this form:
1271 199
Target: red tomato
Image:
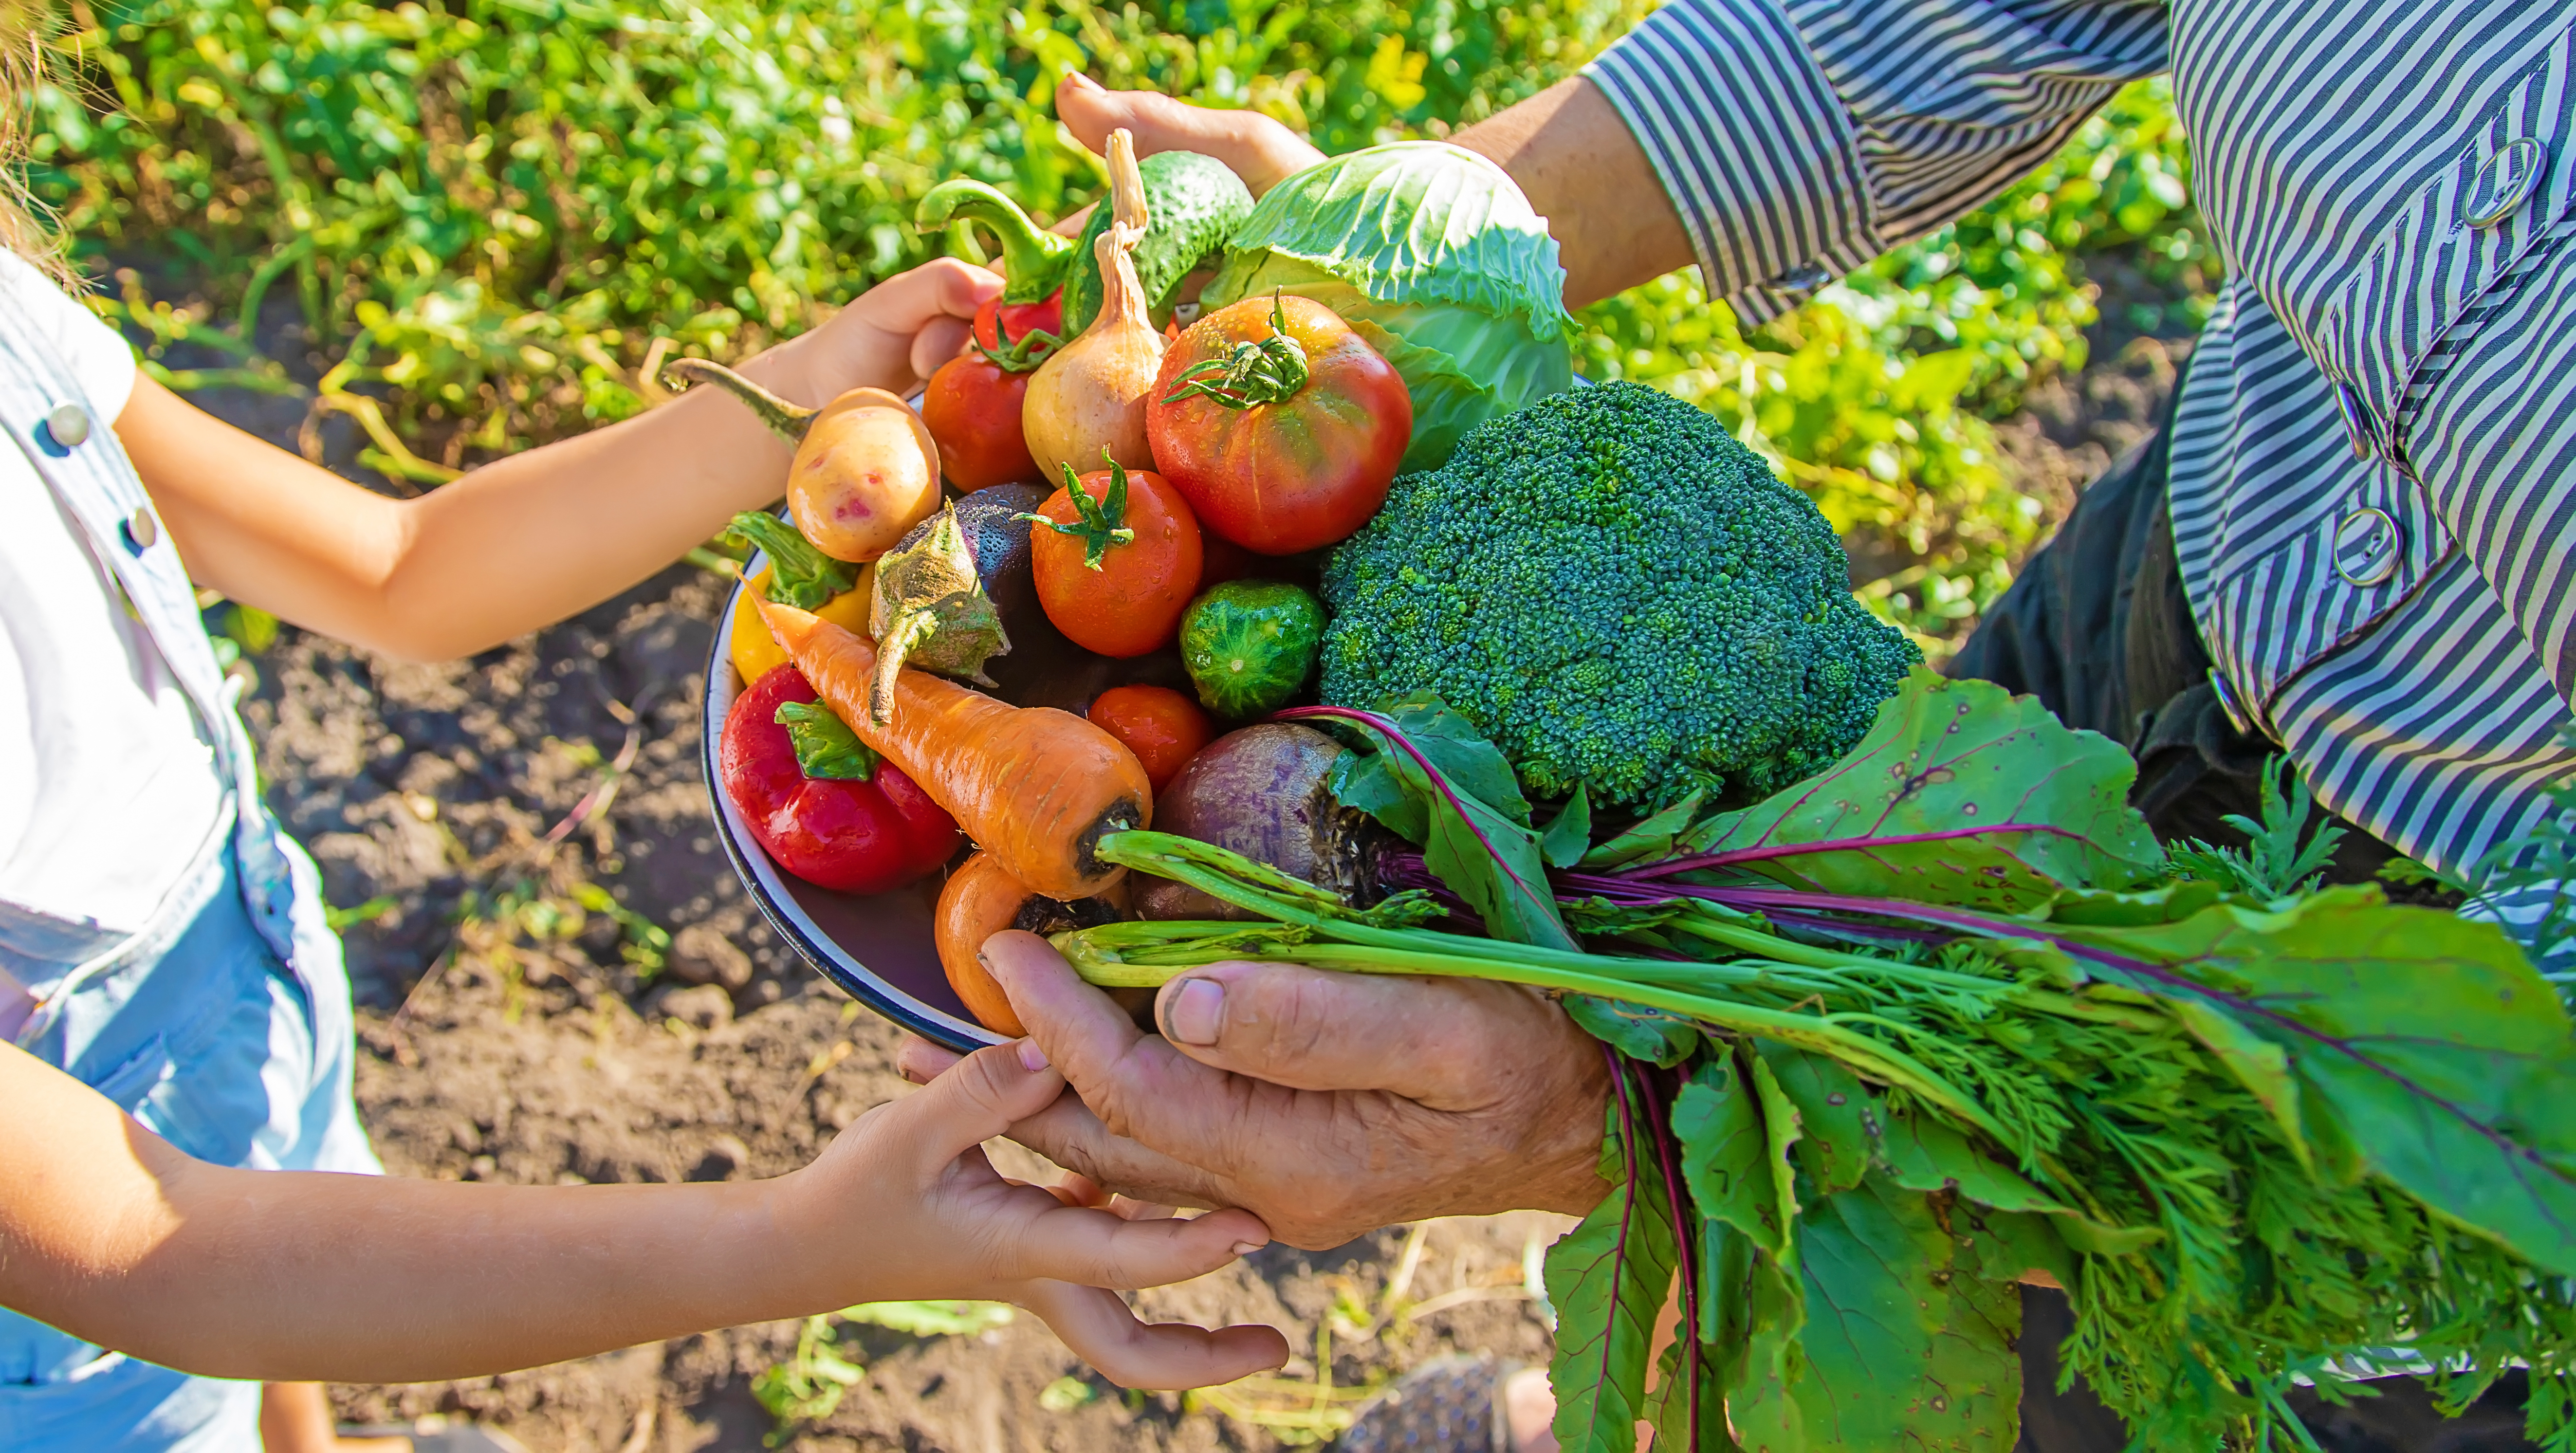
1119 598
1019 320
1287 427
972 406
858 837
1161 726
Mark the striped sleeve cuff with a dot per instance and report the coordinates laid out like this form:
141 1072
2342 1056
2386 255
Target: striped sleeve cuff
1751 144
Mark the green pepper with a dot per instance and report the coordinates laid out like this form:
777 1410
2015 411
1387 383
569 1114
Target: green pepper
1250 644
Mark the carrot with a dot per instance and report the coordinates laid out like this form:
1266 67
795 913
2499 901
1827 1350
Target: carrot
980 900
1035 787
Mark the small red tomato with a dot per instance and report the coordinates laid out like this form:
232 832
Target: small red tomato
972 404
1115 571
859 836
1281 426
1161 726
998 324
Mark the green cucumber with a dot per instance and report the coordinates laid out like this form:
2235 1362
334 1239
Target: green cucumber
1250 644
1193 203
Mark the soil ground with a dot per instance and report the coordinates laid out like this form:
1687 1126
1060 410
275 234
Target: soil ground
559 979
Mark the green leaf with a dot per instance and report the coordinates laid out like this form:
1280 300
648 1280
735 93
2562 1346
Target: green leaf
1961 793
1459 800
826 748
1415 221
1924 1153
1634 1030
1608 1279
1897 1354
1780 1131
1837 1116
2426 1040
1645 842
2258 1064
1569 836
799 574
1726 1156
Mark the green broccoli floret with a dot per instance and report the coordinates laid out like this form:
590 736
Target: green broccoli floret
1621 596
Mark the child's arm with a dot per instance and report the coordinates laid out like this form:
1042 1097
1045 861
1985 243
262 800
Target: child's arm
115 1237
530 539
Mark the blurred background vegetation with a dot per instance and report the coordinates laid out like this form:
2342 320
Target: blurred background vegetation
491 216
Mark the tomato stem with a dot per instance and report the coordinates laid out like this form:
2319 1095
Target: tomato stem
1100 524
1264 371
1022 354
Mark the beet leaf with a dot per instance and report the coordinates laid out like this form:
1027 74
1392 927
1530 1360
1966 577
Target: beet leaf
1960 793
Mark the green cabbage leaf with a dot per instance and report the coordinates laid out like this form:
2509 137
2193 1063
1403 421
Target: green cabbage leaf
1433 256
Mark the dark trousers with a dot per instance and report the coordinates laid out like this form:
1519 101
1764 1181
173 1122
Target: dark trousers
2097 627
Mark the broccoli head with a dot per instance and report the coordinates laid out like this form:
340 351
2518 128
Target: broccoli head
1621 596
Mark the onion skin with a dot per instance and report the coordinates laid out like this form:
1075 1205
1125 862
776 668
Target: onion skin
866 472
1089 396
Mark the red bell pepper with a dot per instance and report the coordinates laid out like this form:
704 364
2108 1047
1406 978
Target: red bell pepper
829 810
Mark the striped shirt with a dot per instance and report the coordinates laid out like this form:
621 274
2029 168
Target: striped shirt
2373 485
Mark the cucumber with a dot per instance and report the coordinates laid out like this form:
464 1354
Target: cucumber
1250 644
1193 203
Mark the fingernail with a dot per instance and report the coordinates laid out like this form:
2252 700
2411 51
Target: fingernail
1246 1248
1032 1058
1195 1010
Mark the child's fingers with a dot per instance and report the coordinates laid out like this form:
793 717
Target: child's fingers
944 287
978 1098
941 340
1103 1332
1102 1248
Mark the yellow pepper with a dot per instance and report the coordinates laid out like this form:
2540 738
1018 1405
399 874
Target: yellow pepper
756 652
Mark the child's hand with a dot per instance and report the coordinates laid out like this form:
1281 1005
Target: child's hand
892 336
904 1205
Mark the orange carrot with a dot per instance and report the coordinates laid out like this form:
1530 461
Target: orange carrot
1035 787
980 900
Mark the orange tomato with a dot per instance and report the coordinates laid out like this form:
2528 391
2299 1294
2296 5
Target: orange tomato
1115 571
1161 726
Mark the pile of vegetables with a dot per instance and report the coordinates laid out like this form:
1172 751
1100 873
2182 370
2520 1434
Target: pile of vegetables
1256 585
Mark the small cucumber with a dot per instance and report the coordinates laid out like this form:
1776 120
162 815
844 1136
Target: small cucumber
1193 203
1250 644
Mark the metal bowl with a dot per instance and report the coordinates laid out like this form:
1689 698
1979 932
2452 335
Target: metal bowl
878 947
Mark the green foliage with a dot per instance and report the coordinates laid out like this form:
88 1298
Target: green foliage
493 215
2280 857
1621 596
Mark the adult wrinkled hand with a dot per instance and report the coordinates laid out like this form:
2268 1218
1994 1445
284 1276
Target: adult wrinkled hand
1327 1104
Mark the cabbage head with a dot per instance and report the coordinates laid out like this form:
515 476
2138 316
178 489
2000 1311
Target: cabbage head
1432 255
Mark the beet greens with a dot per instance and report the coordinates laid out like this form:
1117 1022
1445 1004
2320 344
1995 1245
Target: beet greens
1944 1015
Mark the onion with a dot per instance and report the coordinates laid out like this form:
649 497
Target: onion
1089 397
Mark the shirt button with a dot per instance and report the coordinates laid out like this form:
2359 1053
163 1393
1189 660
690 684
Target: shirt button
69 424
1805 278
142 531
2504 183
2365 546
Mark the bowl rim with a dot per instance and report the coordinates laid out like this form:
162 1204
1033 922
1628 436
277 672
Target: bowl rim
767 882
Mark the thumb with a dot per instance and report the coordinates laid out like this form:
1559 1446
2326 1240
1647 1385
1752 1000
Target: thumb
1436 1041
978 1098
